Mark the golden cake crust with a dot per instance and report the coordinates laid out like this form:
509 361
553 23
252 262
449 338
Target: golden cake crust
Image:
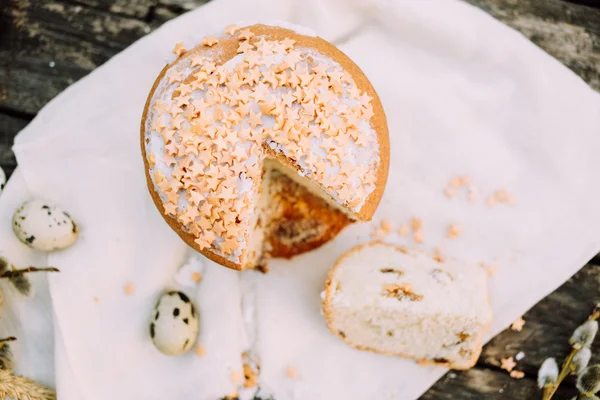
226 50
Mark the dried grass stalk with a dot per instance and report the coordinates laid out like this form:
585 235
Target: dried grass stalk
20 388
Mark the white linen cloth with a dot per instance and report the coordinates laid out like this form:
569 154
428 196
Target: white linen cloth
463 94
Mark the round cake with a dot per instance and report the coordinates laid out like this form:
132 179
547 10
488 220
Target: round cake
263 141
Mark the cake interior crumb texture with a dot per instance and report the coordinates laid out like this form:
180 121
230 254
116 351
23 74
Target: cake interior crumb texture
393 301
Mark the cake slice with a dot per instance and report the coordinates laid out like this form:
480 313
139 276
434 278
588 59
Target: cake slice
395 301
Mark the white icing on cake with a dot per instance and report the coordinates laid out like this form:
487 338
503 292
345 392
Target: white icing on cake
344 170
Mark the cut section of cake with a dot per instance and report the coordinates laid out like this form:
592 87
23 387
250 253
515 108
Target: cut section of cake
247 102
396 301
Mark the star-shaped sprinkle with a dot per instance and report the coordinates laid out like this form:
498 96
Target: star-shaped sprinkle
335 75
209 67
518 324
202 243
209 236
293 58
177 121
320 68
353 92
151 160
210 41
254 119
179 49
367 113
264 47
287 43
170 208
365 99
196 197
508 364
245 34
196 60
174 76
362 141
288 99
231 29
229 245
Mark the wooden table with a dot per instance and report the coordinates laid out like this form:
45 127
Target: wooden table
45 45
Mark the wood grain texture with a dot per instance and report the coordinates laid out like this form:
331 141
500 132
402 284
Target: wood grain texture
46 45
568 32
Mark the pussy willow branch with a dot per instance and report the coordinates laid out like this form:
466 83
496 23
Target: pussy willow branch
15 272
568 367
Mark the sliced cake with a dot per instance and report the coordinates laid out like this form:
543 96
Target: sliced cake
401 302
247 101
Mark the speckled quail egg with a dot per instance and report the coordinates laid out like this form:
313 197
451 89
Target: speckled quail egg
175 324
43 226
2 179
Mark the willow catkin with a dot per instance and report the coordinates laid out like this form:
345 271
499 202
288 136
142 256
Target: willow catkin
18 387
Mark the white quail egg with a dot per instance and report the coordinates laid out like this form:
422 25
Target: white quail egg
2 179
43 226
175 324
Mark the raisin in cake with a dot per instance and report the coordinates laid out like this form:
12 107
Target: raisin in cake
249 100
395 301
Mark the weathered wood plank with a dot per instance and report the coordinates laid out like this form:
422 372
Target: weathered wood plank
48 45
75 36
568 32
478 384
9 127
133 8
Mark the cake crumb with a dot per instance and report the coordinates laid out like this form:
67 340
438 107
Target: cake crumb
404 230
291 373
196 277
405 287
490 270
472 195
508 364
96 300
449 192
455 182
437 255
129 288
250 376
518 324
200 350
386 226
517 374
502 196
236 377
416 223
378 234
491 201
453 231
459 181
464 180
418 236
